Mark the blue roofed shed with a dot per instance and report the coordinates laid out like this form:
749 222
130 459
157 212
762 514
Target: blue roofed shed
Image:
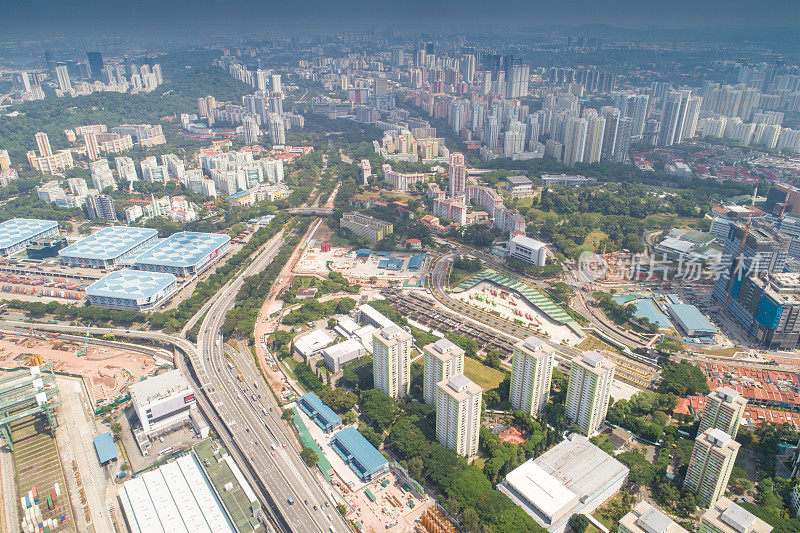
363 252
691 320
416 262
362 457
105 448
320 413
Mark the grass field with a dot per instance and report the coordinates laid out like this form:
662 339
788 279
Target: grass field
487 378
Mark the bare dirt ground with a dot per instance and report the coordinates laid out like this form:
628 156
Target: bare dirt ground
106 370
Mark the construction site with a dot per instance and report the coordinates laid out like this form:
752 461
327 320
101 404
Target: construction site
107 370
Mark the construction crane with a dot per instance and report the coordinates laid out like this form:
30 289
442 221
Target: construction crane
85 348
741 247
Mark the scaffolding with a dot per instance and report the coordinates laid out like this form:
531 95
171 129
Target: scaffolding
27 392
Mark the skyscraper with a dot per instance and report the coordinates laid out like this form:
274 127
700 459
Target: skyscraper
261 80
622 143
95 63
531 373
458 174
710 467
251 131
724 410
595 131
692 115
443 360
101 206
275 83
639 114
458 414
517 77
62 77
574 140
468 68
391 365
43 144
673 117
92 146
590 379
277 129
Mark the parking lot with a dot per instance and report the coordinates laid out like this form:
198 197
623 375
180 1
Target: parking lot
181 439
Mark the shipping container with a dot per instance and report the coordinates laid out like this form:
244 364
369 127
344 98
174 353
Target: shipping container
58 490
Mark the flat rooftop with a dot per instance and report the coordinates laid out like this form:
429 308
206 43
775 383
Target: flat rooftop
157 387
131 284
17 230
690 317
570 476
183 249
109 243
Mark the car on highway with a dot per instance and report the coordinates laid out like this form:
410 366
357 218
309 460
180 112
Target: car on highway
290 500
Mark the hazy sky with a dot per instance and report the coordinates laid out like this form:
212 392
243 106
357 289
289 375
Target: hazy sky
115 17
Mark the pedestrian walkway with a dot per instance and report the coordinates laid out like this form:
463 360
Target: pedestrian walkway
322 463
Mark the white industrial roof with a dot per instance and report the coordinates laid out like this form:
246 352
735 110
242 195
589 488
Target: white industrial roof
593 358
542 490
109 243
16 230
183 249
143 287
344 349
160 386
312 342
527 242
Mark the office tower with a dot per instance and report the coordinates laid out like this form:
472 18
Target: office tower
43 144
711 464
457 115
21 82
531 373
49 59
724 410
671 118
492 132
458 174
419 58
101 206
443 360
727 517
590 379
517 77
692 115
468 68
622 144
275 104
92 146
639 114
391 361
574 140
251 131
380 85
478 114
645 518
277 129
95 63
748 251
595 131
612 116
398 57
275 83
458 414
62 76
261 80
486 84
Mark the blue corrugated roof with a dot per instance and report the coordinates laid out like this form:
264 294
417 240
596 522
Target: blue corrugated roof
105 448
692 317
415 263
363 252
362 456
320 413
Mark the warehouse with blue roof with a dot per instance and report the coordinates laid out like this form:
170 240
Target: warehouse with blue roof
184 253
320 413
416 262
108 247
691 321
361 456
17 233
105 449
132 290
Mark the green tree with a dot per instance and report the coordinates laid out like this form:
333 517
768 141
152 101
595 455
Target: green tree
309 456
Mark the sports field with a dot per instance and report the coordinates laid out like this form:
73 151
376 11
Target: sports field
488 378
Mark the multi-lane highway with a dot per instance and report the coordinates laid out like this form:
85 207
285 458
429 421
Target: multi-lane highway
252 415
